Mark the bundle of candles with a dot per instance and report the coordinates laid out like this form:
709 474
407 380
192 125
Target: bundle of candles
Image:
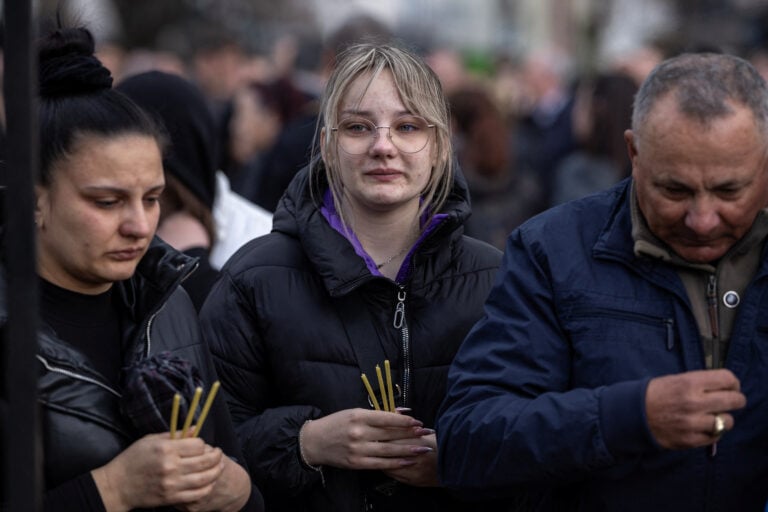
191 413
387 397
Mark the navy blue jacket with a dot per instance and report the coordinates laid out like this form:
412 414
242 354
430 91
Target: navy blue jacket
545 398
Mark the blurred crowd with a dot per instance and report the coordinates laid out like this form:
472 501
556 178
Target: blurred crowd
530 130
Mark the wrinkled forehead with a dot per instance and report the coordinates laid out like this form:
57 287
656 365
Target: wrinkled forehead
669 118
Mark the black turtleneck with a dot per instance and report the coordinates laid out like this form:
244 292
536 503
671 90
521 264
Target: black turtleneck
90 323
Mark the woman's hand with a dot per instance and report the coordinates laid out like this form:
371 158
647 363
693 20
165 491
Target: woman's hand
356 439
423 471
230 492
157 470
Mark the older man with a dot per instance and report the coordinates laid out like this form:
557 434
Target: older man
622 363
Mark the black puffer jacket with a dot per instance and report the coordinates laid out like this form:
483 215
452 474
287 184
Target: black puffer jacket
81 421
280 323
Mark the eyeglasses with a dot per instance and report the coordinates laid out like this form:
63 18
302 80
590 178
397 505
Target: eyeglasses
409 134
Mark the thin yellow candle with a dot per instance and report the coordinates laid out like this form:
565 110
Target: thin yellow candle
382 389
206 408
175 414
388 373
191 412
370 392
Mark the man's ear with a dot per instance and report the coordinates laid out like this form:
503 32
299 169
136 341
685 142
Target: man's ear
629 138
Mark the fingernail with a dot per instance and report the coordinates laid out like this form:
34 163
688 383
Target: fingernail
407 462
403 409
421 449
423 431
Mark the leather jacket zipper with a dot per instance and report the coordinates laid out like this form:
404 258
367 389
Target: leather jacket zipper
77 376
147 348
149 328
405 337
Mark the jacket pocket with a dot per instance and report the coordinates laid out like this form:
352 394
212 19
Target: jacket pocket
611 344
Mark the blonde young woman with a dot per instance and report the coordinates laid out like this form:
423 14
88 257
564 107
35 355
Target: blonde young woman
366 263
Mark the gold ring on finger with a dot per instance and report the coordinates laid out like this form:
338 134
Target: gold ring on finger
719 426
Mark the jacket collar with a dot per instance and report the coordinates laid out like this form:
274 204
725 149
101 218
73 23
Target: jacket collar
617 239
159 273
333 256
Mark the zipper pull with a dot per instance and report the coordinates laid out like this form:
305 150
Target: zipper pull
399 310
669 324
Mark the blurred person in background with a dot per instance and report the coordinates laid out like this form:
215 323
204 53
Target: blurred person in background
503 196
544 134
637 62
186 213
448 65
187 220
110 300
367 262
293 147
217 61
252 123
603 110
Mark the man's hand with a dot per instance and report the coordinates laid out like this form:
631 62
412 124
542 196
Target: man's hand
681 408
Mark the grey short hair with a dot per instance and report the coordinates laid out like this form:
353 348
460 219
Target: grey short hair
703 83
421 93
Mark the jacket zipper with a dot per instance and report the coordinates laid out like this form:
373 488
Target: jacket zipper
148 347
149 328
76 376
714 325
405 337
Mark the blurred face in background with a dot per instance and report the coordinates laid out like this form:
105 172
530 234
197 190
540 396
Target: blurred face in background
699 186
96 218
254 127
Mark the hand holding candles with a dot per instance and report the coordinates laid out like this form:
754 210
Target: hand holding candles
191 412
387 396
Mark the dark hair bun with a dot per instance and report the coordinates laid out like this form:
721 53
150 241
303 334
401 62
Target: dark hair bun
67 64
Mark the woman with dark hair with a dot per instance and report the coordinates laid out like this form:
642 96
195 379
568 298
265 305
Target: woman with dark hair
112 307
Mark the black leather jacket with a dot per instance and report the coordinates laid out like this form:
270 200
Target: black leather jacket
81 422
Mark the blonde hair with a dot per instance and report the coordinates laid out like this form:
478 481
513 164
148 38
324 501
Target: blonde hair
421 93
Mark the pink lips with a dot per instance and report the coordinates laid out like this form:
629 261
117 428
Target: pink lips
127 254
384 174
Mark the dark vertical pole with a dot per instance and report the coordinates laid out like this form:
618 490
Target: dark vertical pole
21 464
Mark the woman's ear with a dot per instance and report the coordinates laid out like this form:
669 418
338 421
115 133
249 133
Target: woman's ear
41 202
